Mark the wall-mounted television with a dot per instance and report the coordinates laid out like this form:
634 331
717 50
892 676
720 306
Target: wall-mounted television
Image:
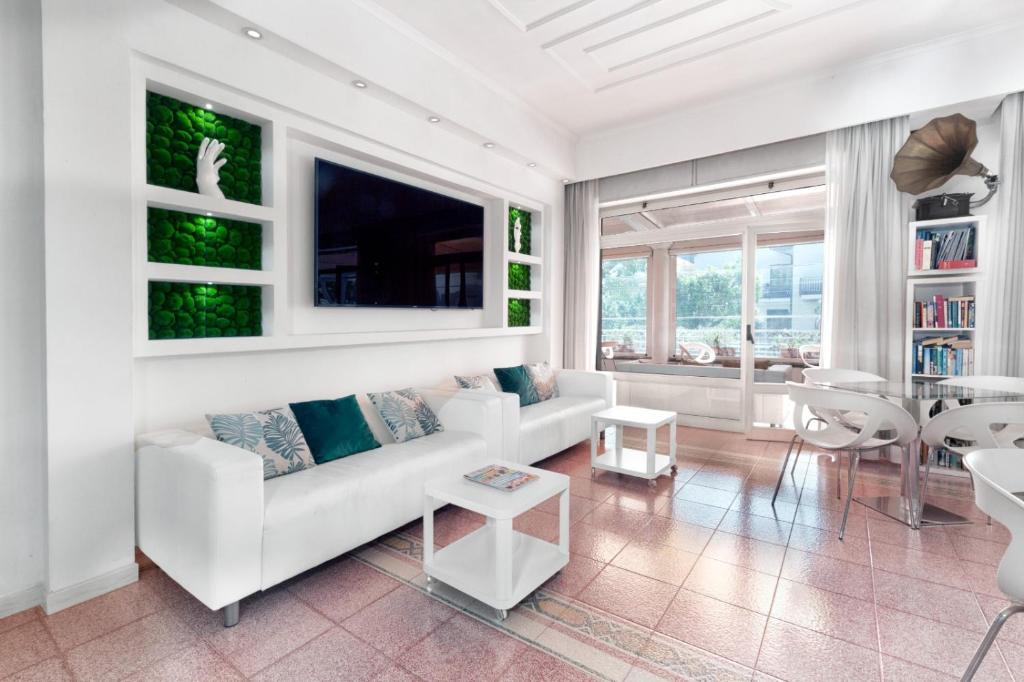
380 242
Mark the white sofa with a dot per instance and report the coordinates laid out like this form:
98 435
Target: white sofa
209 520
536 431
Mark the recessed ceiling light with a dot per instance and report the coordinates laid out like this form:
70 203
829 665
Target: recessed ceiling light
488 145
433 119
532 164
359 84
252 33
208 105
566 181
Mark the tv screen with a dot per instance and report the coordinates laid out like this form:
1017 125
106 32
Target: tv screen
380 242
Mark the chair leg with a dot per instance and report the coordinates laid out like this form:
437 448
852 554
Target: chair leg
799 449
990 636
839 474
854 461
785 462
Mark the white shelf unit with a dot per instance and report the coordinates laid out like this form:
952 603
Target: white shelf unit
536 264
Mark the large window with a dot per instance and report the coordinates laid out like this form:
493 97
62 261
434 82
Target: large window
787 307
709 300
624 305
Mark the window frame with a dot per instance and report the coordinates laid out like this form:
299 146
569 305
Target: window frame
649 312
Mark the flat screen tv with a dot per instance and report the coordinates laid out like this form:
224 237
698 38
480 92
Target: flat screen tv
380 242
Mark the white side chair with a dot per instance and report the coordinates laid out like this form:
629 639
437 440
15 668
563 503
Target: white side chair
810 354
999 492
1011 432
698 352
820 375
877 413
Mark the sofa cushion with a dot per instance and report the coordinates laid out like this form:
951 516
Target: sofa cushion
309 519
273 434
477 383
406 414
543 378
334 428
517 380
554 425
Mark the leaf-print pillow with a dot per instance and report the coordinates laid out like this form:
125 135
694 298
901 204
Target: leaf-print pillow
273 434
477 383
406 414
543 378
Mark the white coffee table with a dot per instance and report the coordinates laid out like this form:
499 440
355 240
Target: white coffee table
644 464
496 564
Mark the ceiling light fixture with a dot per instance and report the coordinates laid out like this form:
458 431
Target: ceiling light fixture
252 33
359 84
488 145
434 119
532 164
566 181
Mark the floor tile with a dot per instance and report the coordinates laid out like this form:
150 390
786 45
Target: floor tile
922 565
198 662
334 655
853 580
101 615
945 604
747 552
629 595
24 646
821 658
272 624
538 524
721 628
896 670
731 481
617 519
661 562
980 551
532 665
932 540
993 532
1013 630
585 487
395 673
692 512
133 647
50 670
830 520
463 648
738 586
18 619
398 620
594 542
827 543
578 507
981 578
757 527
603 660
340 589
830 613
691 492
575 576
679 534
762 506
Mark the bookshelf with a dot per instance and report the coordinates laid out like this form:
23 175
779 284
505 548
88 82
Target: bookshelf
941 314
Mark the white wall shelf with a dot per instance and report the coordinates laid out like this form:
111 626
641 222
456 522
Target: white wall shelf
172 272
530 294
939 225
525 259
191 202
536 264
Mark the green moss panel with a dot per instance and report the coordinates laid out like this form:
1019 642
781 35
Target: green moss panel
182 310
525 218
518 312
519 276
174 131
190 239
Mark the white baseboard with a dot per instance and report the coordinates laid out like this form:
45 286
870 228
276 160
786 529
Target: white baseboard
93 587
21 600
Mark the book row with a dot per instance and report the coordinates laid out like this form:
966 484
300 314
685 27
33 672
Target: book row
955 358
953 312
945 250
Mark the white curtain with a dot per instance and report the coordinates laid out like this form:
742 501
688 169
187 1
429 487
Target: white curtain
582 275
865 250
1000 318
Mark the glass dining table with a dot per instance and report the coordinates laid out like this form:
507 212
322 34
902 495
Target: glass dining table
917 398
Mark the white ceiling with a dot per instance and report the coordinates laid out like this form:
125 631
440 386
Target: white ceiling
595 64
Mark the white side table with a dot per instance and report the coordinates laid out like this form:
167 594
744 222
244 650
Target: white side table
496 564
643 464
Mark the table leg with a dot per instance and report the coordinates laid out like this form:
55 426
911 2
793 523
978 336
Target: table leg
672 443
503 558
619 437
563 522
913 459
595 430
652 443
428 534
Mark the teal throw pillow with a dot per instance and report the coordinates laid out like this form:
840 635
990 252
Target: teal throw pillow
518 380
334 428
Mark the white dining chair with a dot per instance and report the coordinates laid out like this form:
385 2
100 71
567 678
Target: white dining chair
999 492
877 414
810 354
1011 432
821 375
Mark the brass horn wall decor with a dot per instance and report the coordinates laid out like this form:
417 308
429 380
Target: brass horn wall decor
938 151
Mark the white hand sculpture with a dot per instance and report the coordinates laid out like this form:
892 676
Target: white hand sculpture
208 167
517 233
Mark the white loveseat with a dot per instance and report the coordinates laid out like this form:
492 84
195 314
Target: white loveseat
209 520
536 431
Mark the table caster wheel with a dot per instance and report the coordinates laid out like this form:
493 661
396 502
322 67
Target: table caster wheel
502 614
674 468
429 580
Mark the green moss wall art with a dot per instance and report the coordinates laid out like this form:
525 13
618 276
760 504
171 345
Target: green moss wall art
525 227
518 276
518 312
174 131
190 239
183 310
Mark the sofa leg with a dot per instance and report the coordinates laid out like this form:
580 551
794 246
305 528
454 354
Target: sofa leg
230 615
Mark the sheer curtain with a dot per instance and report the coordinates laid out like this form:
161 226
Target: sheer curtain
865 250
582 275
1001 323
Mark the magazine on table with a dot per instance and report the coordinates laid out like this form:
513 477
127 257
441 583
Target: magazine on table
501 477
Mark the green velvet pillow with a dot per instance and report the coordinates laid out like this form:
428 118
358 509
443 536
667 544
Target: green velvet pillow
517 380
334 428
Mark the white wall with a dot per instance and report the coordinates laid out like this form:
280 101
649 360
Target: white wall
22 409
98 394
962 68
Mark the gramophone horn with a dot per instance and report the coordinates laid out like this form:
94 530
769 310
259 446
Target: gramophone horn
937 152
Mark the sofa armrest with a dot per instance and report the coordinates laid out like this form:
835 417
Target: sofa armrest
199 508
576 382
476 412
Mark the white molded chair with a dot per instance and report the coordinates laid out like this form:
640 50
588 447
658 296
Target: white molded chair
698 352
999 492
1008 435
821 375
810 354
838 435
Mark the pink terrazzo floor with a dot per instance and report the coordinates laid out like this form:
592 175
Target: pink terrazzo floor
698 578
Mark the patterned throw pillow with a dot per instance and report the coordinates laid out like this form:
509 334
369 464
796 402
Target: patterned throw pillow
517 380
273 434
406 414
479 383
543 380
